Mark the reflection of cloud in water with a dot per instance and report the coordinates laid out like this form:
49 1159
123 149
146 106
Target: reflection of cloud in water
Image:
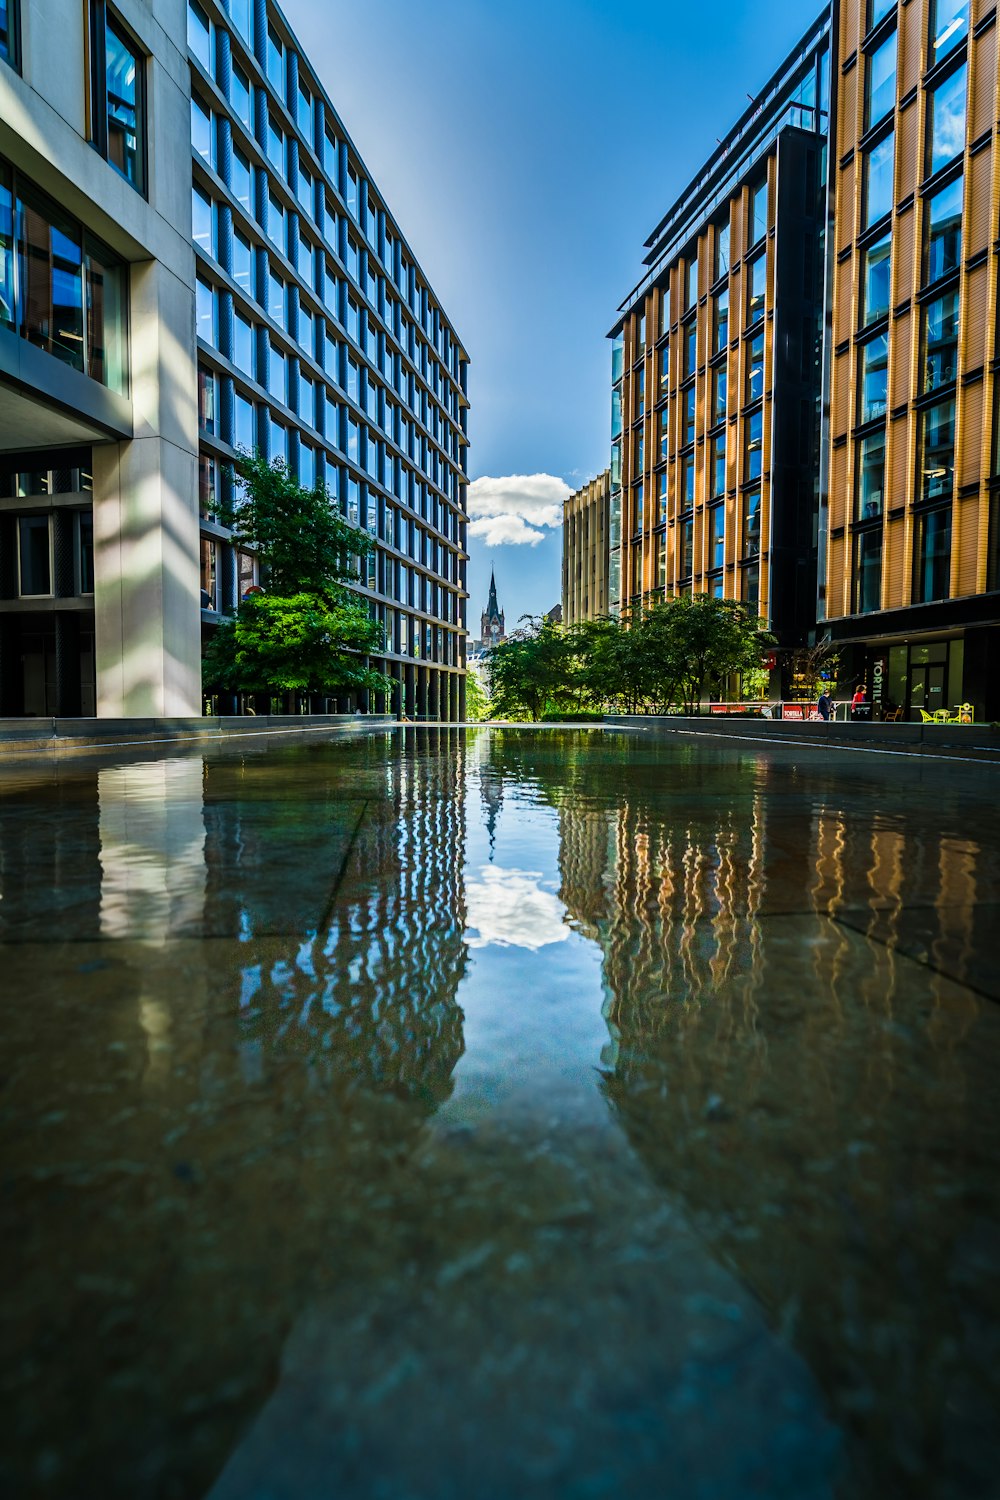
509 908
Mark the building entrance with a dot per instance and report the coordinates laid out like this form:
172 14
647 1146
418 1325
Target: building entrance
927 689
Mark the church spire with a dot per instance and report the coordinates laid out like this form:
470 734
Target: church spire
492 607
493 621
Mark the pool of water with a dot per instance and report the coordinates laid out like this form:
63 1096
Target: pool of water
441 1115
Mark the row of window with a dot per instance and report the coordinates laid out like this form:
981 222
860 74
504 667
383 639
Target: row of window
356 193
36 560
935 462
60 288
945 142
949 24
931 578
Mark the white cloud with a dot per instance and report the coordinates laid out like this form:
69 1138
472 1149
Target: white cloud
515 508
509 908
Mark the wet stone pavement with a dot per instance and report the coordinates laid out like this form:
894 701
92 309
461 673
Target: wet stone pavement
452 1114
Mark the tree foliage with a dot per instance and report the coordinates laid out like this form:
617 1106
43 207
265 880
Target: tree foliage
668 656
476 702
306 631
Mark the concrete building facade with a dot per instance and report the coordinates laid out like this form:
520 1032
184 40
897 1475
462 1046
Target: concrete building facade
586 520
161 309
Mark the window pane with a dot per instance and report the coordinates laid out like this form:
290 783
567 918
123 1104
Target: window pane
875 290
276 298
239 95
755 367
933 556
944 231
717 536
50 262
107 323
6 250
717 474
878 180
751 524
201 132
122 64
871 476
275 145
719 384
753 437
242 262
199 35
687 483
940 341
205 312
664 370
937 451
241 14
759 214
243 345
690 348
878 10
949 25
277 376
34 555
756 288
243 423
721 321
722 250
240 180
276 61
874 377
6 31
868 571
692 283
690 407
201 222
880 93
946 120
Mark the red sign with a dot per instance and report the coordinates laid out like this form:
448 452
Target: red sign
792 711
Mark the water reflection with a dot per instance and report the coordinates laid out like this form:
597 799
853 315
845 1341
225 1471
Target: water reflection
510 908
152 849
817 1100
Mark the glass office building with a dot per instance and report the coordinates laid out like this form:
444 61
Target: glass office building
320 342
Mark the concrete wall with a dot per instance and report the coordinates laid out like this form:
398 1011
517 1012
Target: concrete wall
147 618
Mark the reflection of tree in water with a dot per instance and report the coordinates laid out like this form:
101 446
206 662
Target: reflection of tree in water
821 1107
371 997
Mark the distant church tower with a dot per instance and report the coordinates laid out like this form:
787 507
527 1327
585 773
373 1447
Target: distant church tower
492 626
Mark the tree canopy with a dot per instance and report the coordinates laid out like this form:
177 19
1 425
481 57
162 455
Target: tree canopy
305 631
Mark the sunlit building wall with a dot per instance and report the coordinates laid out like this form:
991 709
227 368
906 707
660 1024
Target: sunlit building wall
586 515
912 535
716 368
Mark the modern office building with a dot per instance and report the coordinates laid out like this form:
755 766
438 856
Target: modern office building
911 534
805 397
716 368
586 518
161 309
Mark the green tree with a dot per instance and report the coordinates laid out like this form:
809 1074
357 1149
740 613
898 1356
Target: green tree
306 631
712 639
534 668
476 701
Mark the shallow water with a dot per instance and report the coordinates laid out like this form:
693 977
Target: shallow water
500 1114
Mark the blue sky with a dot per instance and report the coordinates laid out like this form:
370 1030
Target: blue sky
526 150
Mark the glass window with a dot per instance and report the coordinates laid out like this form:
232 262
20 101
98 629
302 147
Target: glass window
206 312
871 476
275 144
756 288
242 262
240 181
50 276
753 445
690 409
307 336
874 358
751 586
275 61
241 15
690 347
692 283
758 214
661 504
307 466
243 423
719 384
932 556
85 551
239 95
949 26
123 126
722 250
944 231
664 294
304 190
34 556
878 10
278 441
868 570
640 335
721 318
307 400
751 524
6 250
330 153
878 192
687 482
8 39
717 470
243 345
199 35
353 193
880 82
664 370
617 353
640 393
277 375
207 403
105 299
716 536
936 446
664 431
685 549
940 341
276 221
946 120
875 283
276 298
203 222
304 112
755 367
202 134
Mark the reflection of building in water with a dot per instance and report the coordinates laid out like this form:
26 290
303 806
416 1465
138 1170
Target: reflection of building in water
490 774
372 995
815 1099
152 832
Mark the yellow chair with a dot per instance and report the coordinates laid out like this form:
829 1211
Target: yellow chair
892 716
925 717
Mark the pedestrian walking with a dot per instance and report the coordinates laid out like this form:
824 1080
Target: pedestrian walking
860 696
825 706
